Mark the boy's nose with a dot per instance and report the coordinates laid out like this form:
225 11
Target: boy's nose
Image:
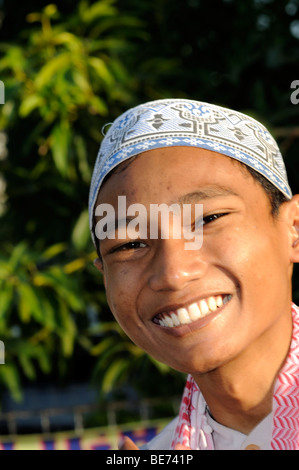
174 267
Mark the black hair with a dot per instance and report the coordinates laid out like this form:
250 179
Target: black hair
276 197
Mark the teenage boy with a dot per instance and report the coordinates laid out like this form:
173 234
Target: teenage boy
222 312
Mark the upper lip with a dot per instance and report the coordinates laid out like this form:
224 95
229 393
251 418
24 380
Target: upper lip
173 307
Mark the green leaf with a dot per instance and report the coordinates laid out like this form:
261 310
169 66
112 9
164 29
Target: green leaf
97 105
17 255
48 319
163 368
43 358
84 167
29 104
24 306
81 232
29 303
10 377
27 366
54 250
50 10
58 64
113 373
67 331
69 39
102 70
6 299
5 270
106 346
98 9
62 286
60 144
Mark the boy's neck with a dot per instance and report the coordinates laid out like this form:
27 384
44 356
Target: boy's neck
239 394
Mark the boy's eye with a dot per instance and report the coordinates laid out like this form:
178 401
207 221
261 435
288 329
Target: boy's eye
135 245
210 218
130 246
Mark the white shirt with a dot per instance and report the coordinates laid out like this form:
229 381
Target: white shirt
224 438
229 439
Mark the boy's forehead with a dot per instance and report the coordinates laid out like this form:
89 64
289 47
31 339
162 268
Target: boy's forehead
175 175
187 123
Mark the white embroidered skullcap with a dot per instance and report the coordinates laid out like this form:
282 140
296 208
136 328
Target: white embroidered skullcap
182 122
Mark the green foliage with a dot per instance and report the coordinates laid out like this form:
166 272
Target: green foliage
38 307
66 73
61 75
120 361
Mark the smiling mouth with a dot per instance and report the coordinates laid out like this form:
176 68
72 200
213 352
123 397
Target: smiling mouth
192 312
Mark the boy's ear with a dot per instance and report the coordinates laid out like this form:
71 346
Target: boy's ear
98 263
295 229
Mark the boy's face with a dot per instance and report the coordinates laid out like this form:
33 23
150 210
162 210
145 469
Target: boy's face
246 258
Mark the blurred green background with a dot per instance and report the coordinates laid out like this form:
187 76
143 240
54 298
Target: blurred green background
69 68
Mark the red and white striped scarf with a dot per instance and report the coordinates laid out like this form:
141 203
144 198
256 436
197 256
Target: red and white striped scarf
191 430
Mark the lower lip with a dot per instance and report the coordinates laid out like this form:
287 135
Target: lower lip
195 325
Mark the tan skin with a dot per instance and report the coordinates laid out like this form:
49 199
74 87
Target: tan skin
246 253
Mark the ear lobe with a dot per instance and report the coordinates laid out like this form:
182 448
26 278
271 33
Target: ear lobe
295 229
295 251
99 265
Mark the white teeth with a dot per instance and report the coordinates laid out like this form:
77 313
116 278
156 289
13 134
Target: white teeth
204 308
183 316
168 321
175 319
212 304
219 301
194 312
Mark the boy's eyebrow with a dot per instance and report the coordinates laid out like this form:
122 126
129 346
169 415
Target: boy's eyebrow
208 192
